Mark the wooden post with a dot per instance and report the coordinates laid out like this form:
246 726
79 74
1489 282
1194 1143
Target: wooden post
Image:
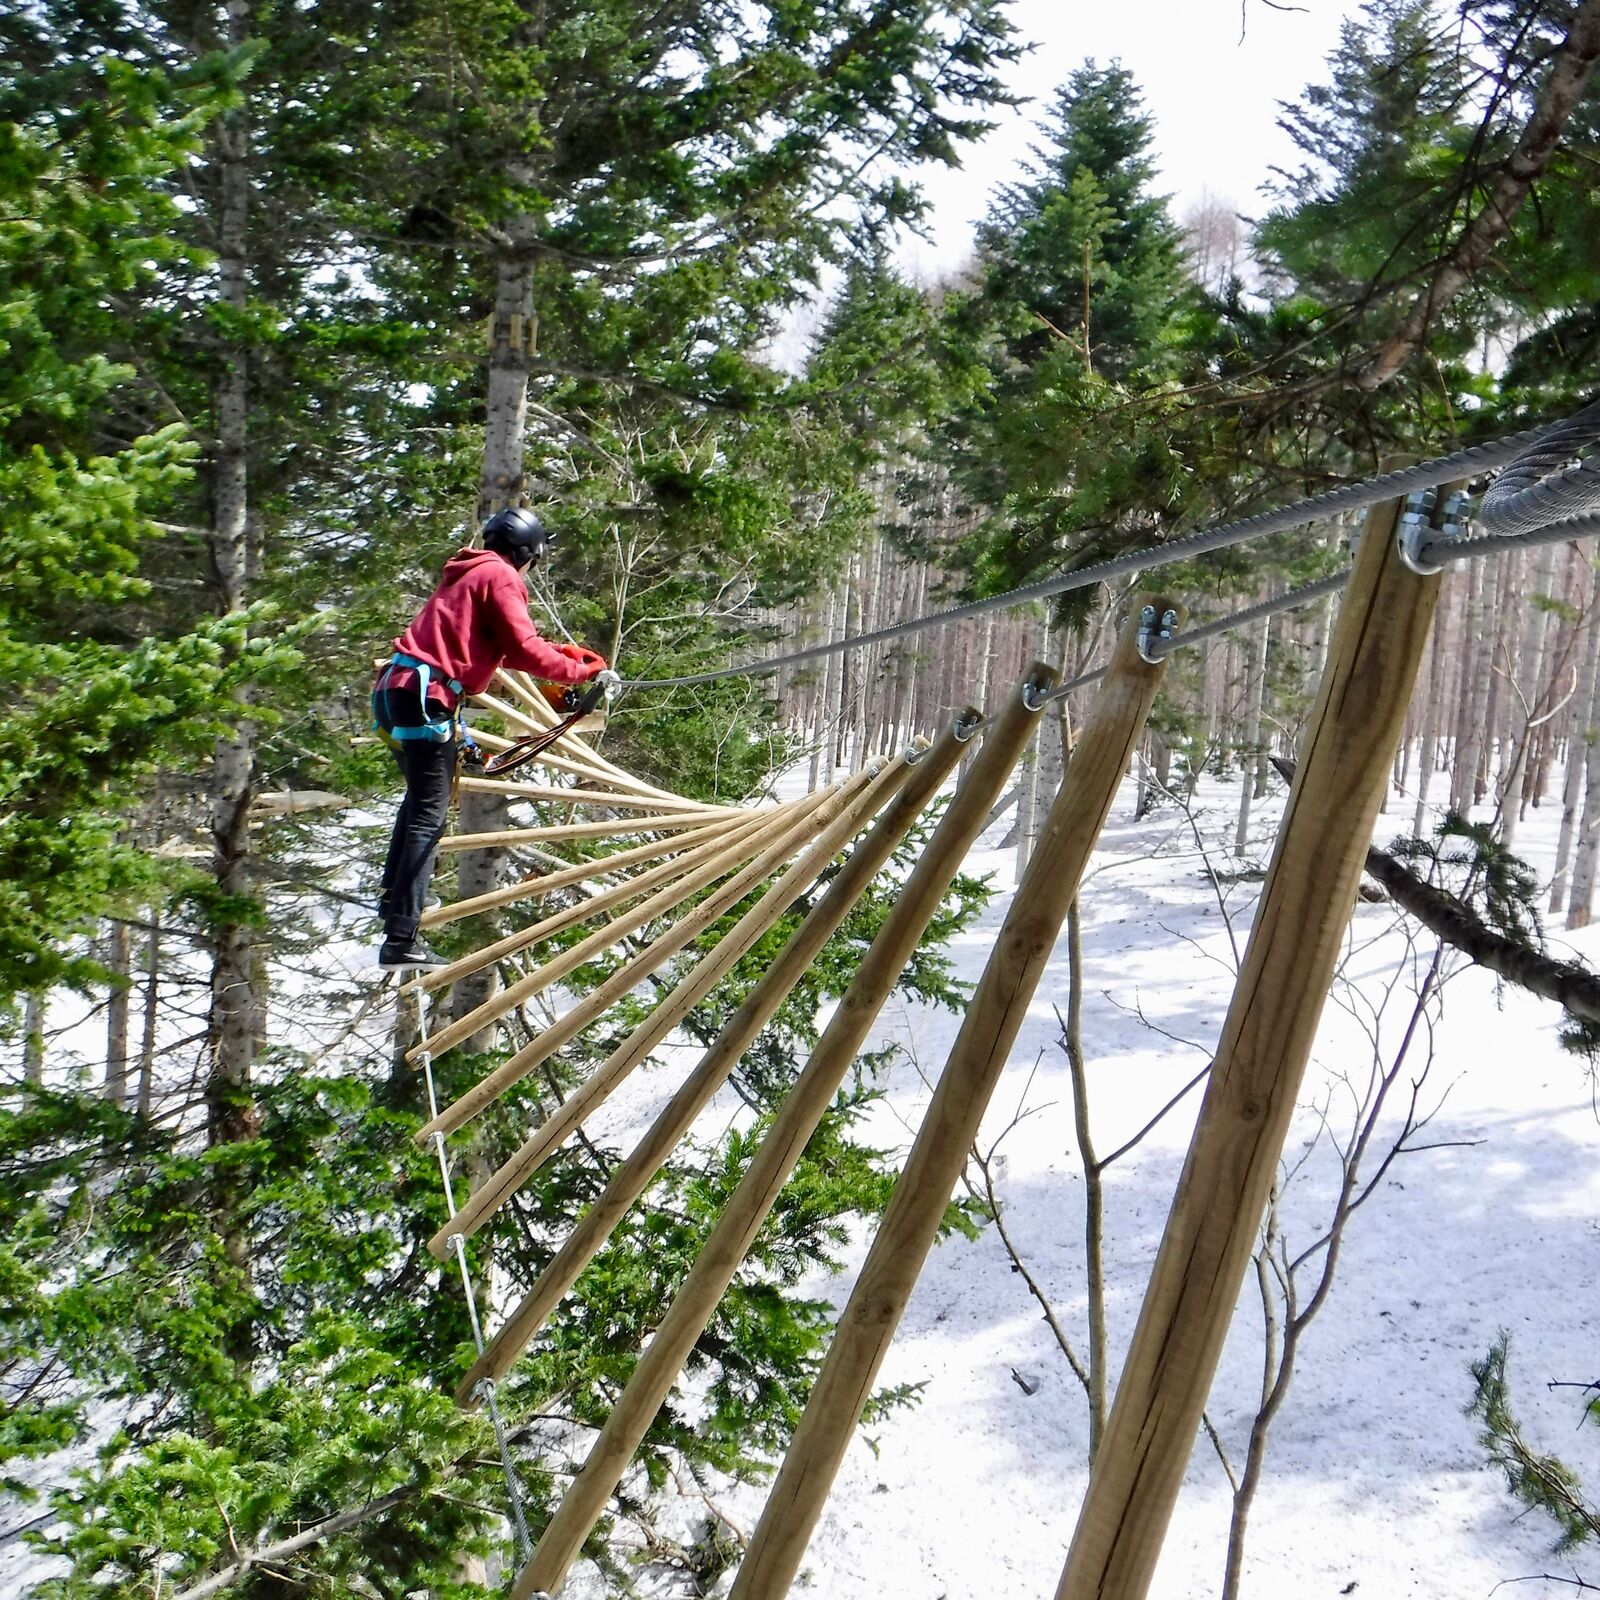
994 1016
633 1177
1266 1041
702 978
772 1164
814 811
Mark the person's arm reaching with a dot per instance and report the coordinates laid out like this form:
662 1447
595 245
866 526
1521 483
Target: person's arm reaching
525 650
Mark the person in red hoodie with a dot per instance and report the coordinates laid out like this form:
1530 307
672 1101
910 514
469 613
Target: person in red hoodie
474 622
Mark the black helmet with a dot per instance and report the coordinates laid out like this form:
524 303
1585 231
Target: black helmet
518 535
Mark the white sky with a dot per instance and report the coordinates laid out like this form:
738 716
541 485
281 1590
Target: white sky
1213 95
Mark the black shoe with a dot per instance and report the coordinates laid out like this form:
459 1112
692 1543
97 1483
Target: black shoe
413 955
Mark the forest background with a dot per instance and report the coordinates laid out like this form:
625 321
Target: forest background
290 297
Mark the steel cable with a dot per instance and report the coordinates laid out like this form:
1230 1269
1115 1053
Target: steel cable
1532 452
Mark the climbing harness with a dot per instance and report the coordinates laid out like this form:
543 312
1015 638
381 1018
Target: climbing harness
578 700
439 730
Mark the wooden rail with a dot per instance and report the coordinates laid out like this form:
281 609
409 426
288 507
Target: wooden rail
629 1181
702 978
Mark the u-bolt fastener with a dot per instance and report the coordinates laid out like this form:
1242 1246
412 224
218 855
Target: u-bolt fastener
1151 637
965 727
1415 532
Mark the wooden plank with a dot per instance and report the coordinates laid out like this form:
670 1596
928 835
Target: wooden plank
607 828
722 858
1266 1041
585 797
719 842
543 883
994 1016
775 1160
633 1177
702 978
811 813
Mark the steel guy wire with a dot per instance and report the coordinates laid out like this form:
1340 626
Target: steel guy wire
486 1388
1533 452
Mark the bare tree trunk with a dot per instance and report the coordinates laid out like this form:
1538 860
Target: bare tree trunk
822 734
152 998
1250 746
1529 674
1093 1183
849 671
33 1040
1494 651
1469 727
1572 782
1428 736
1580 904
231 1116
119 963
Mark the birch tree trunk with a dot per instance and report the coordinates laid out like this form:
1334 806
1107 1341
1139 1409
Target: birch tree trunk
1529 668
1249 746
1572 779
1477 659
1428 736
1587 842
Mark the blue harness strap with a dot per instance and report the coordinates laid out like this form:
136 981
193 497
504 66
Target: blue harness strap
439 731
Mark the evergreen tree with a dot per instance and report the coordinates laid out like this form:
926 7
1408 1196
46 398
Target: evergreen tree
101 691
1088 324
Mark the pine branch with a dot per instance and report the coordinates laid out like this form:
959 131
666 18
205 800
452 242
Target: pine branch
1571 67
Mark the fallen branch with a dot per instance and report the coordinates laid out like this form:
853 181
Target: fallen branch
1573 986
328 1528
1570 984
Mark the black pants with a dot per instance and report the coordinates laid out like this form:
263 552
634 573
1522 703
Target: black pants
428 766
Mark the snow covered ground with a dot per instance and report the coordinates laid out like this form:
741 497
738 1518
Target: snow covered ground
1374 1482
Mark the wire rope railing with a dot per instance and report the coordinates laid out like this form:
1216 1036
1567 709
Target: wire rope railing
1543 495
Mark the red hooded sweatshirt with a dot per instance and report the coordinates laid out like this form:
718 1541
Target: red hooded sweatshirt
477 620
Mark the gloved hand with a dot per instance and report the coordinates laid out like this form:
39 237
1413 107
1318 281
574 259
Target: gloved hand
585 658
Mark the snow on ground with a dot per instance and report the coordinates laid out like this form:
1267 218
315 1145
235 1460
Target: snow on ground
1374 1483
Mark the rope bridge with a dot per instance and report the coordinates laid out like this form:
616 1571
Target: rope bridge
694 863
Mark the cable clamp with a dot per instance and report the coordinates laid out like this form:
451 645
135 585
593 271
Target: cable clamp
1415 533
916 750
483 1390
965 727
1151 638
456 1242
1035 696
437 1140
